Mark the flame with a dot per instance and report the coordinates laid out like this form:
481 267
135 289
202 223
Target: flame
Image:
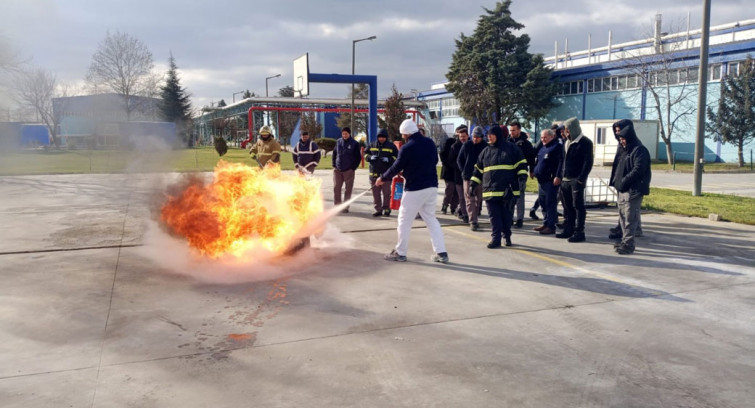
243 209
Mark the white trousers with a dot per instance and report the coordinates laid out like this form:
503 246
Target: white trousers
422 202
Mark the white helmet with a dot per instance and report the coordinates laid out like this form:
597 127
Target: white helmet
265 130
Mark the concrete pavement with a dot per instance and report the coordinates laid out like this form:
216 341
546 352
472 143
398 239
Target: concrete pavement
87 320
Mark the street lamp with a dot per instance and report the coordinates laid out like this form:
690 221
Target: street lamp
353 53
268 78
236 93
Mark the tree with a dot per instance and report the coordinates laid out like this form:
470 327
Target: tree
361 91
493 75
395 113
248 94
123 64
35 89
222 103
309 124
286 92
175 105
734 121
672 90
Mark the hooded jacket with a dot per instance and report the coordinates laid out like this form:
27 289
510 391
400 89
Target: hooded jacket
375 155
453 157
523 142
501 168
578 155
446 171
468 156
631 171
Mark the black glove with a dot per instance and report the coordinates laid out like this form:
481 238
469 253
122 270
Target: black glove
522 184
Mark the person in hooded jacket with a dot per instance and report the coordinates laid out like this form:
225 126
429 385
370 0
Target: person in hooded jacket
578 161
466 161
501 169
453 155
381 156
631 178
306 154
615 232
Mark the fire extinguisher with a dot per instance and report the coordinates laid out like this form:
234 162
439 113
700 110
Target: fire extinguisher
397 191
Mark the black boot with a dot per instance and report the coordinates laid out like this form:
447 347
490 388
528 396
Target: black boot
566 233
444 209
494 244
377 213
518 223
508 241
577 237
533 215
386 213
465 219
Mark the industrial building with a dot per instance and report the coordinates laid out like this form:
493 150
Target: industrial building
605 83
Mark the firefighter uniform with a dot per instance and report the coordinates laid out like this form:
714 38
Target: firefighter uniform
381 157
501 170
267 149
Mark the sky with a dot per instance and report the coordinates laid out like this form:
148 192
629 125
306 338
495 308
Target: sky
227 46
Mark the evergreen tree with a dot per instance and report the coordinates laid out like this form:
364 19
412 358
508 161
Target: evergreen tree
222 103
286 92
734 122
395 113
248 94
493 75
175 105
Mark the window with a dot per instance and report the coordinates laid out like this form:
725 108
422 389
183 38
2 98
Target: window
632 82
606 82
683 76
622 82
590 85
734 69
715 72
692 75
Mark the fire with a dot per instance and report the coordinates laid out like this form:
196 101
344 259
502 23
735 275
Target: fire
242 209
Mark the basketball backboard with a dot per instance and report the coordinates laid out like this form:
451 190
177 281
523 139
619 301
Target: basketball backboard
301 76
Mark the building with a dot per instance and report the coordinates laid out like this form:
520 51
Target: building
617 81
102 121
606 83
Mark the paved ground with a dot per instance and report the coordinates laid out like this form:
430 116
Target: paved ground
87 320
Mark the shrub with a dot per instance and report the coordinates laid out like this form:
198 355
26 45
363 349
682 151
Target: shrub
327 145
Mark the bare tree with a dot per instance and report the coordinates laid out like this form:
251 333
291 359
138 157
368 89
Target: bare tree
35 89
123 64
672 90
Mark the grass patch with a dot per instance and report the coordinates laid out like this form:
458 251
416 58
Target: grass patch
121 161
688 167
731 208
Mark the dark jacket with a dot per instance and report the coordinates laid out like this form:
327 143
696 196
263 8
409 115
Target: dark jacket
347 155
453 164
578 154
306 154
446 171
381 157
523 142
631 169
418 159
501 169
550 158
468 158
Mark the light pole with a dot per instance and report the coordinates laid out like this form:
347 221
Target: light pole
266 79
236 93
353 61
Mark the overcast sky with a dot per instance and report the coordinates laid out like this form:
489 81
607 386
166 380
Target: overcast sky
222 47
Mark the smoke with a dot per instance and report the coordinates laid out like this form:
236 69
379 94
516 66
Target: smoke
173 255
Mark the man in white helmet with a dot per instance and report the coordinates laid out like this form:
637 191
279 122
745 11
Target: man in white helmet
267 149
